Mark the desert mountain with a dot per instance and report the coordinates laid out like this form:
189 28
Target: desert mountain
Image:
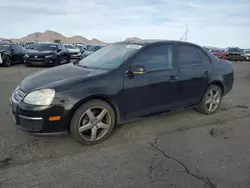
133 39
50 36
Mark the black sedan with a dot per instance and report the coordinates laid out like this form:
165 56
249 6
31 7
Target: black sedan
235 54
119 83
10 53
46 54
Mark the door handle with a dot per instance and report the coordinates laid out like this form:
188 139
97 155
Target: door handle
206 73
173 78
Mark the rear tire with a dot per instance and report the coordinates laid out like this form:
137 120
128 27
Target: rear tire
211 100
93 122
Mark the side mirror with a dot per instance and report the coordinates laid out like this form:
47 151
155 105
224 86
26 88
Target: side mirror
138 69
59 50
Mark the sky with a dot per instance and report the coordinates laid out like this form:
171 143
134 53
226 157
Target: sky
220 23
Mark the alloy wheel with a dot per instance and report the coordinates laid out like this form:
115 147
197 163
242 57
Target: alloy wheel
94 123
213 100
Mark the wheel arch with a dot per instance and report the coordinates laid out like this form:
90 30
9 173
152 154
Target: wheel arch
219 84
104 98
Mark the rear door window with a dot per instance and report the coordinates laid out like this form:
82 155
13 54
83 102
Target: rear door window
188 55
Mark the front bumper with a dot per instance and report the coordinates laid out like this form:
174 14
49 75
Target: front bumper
35 119
75 56
40 61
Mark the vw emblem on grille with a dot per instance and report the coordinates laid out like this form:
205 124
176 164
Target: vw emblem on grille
35 56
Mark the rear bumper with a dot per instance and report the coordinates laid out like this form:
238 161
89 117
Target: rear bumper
228 82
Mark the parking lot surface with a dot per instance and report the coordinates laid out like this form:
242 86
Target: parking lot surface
182 149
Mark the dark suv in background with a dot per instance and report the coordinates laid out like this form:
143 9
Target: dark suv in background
235 54
11 53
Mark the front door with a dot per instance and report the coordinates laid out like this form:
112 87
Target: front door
195 70
156 89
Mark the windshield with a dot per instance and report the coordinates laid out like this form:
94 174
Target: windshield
4 46
109 57
88 46
234 50
70 47
44 47
247 51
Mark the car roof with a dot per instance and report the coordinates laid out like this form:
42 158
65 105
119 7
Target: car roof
146 42
50 43
5 42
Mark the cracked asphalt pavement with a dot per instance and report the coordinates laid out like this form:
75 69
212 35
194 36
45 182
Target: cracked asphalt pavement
181 149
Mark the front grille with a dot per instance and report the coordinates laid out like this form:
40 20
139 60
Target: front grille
18 94
74 53
38 56
31 124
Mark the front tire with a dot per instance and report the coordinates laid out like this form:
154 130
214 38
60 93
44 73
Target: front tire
68 59
93 122
211 100
7 61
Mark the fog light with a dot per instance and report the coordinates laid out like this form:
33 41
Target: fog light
50 61
54 118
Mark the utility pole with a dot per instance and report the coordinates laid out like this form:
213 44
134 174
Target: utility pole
186 33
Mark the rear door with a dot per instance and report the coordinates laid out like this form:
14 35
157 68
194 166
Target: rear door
156 90
195 70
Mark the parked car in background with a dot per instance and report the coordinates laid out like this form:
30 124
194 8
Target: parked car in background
247 54
11 53
119 83
6 40
73 51
219 53
46 54
235 54
91 50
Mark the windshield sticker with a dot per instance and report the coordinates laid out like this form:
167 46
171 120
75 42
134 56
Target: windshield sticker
133 46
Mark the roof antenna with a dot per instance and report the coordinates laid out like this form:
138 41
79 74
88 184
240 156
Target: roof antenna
185 34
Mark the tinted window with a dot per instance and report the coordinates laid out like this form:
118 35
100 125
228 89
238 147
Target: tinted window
15 47
45 47
64 48
205 59
233 50
4 46
188 55
155 58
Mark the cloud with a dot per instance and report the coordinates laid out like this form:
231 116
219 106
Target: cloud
220 23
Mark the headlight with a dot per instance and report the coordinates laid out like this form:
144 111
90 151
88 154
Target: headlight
26 55
40 97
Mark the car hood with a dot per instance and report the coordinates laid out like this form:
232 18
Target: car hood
74 50
57 76
1 51
37 53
